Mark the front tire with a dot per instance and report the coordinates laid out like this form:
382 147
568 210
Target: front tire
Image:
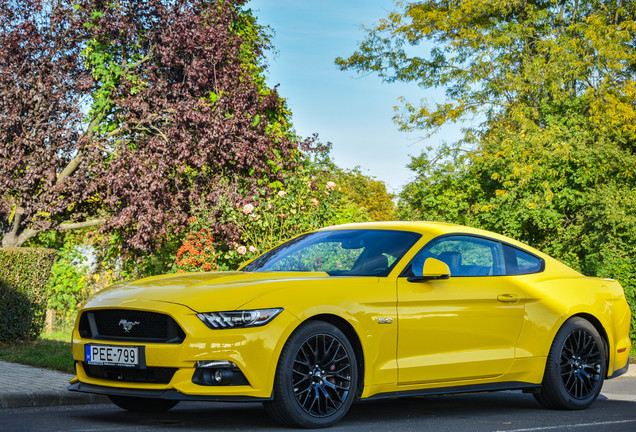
140 404
316 378
575 369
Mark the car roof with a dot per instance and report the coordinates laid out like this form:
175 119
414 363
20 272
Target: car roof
424 227
435 229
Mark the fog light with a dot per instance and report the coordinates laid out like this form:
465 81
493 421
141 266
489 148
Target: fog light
211 373
223 376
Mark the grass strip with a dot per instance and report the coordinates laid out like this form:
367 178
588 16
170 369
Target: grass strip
49 352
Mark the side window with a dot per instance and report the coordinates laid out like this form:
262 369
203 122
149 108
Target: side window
464 255
519 262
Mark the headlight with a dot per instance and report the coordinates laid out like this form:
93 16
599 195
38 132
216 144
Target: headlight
238 319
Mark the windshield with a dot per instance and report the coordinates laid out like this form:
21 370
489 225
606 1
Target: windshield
359 252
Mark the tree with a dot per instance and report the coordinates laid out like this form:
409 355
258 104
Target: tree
551 161
361 191
504 60
43 182
367 193
175 112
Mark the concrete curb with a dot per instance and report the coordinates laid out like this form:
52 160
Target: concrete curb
47 398
27 386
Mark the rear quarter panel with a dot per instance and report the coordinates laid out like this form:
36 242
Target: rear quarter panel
552 298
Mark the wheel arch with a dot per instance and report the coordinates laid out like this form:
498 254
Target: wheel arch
351 334
601 331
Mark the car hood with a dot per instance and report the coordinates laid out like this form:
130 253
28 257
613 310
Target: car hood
202 292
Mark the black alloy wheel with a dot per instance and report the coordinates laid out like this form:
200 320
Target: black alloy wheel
316 378
321 375
576 367
580 364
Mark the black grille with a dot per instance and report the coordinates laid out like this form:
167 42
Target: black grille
155 375
130 325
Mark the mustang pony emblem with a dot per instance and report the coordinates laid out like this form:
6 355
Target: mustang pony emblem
127 325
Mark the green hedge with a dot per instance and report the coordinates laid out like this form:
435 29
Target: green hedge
23 276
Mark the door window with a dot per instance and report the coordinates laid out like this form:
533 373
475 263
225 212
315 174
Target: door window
464 255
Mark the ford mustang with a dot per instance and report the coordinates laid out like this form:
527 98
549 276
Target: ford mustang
370 310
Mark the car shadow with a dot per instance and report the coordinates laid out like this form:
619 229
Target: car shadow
484 411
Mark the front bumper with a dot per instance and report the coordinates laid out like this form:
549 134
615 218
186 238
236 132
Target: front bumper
255 352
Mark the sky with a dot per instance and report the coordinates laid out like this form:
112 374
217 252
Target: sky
351 111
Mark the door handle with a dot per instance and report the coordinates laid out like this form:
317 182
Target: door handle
508 298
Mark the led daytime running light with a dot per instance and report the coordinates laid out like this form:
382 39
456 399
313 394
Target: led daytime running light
238 319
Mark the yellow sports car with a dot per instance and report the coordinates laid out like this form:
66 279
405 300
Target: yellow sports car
369 310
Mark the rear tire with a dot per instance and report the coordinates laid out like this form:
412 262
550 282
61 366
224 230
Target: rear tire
316 378
140 404
575 368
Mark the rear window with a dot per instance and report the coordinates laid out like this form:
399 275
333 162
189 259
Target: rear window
520 262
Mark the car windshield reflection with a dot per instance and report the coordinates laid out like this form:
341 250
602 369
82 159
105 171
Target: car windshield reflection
338 253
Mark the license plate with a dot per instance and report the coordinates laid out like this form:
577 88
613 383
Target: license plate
112 355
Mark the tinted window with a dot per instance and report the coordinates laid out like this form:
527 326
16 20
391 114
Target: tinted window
520 262
464 255
361 252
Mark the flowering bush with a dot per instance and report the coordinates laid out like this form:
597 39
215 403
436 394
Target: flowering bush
197 253
304 202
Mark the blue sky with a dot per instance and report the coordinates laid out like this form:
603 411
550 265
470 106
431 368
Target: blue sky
352 112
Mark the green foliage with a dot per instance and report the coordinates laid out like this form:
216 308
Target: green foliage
368 193
551 161
504 59
563 189
361 191
67 285
23 277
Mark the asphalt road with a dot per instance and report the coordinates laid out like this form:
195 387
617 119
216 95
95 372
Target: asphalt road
505 411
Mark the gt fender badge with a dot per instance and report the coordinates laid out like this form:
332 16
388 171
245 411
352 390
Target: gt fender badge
385 320
127 325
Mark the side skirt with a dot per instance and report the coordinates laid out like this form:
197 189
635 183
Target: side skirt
475 388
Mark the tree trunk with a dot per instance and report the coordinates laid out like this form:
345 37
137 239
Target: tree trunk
9 240
13 239
49 323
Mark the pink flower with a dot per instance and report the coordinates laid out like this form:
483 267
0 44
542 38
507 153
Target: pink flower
269 206
282 193
315 201
242 250
253 249
248 208
331 185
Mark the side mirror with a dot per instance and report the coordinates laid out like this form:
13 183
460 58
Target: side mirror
433 269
